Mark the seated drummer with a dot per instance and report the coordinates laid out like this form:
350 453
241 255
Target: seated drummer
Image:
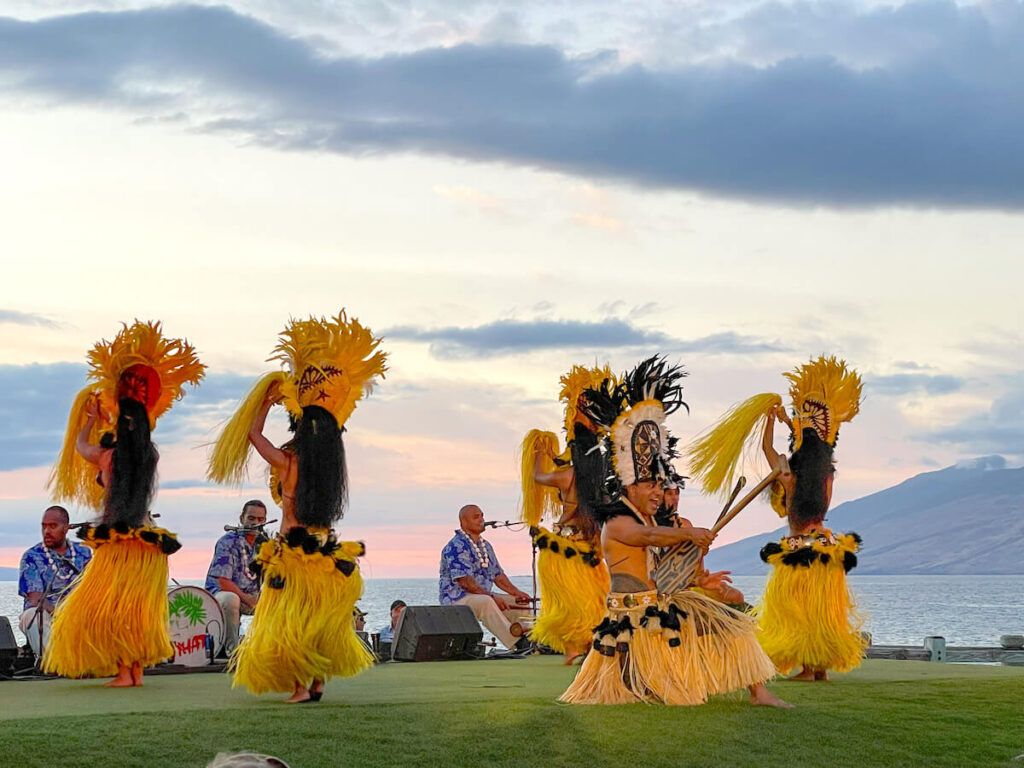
470 570
229 579
46 572
717 585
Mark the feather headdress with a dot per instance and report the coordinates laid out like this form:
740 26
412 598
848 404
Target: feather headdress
331 363
139 363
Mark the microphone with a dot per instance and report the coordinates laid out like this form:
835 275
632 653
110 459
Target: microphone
249 528
491 524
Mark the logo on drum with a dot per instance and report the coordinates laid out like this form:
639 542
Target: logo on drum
189 606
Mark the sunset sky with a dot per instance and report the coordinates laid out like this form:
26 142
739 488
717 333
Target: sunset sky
500 190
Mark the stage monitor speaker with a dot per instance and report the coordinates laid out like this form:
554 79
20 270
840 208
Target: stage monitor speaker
437 633
8 646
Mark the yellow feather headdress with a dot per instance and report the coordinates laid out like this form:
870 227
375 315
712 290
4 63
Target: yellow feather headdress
141 363
574 384
332 363
824 394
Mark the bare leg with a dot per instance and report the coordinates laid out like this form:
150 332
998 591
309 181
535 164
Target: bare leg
316 690
300 695
123 679
762 697
572 653
806 675
137 674
821 675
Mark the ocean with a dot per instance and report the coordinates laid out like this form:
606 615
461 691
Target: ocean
900 610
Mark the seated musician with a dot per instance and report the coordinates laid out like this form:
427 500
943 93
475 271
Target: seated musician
387 632
46 572
470 570
717 585
229 578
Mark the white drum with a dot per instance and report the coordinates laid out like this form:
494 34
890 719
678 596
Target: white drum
194 613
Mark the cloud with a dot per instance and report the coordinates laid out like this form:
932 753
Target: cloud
903 383
505 337
935 125
1000 430
13 317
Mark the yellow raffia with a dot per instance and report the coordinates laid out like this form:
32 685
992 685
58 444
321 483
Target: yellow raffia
717 652
303 630
572 592
825 394
117 610
232 448
807 616
715 456
72 478
538 500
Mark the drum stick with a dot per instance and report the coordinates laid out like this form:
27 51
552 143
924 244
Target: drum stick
725 519
732 497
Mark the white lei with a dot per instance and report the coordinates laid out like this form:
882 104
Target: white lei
480 550
58 567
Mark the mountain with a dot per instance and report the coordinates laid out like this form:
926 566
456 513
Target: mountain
965 519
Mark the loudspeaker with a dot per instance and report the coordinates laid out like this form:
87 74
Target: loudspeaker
436 633
8 646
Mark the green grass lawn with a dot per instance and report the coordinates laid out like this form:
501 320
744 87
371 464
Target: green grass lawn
504 713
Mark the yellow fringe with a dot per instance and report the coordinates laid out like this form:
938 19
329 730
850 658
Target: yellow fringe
715 456
538 500
714 651
231 450
302 630
572 593
116 613
73 479
574 382
807 616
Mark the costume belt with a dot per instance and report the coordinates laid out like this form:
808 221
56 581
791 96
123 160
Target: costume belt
628 601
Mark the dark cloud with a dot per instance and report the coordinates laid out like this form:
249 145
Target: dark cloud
13 317
34 410
505 337
902 383
936 125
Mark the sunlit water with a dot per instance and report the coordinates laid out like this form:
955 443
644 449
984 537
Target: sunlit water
901 610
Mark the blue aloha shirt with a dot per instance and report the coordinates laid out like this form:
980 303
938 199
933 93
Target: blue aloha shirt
35 571
457 560
231 558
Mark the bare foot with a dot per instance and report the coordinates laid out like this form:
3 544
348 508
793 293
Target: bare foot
123 678
300 695
762 697
137 674
806 675
572 654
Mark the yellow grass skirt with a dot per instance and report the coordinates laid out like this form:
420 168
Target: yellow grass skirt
673 649
574 582
116 612
807 616
302 628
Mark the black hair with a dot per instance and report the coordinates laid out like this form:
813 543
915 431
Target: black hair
321 492
133 469
397 603
63 512
589 468
812 465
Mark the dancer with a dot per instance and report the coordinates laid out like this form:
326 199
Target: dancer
302 632
675 648
115 620
567 485
807 616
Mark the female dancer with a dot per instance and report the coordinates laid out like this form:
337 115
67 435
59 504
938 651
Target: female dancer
302 632
115 620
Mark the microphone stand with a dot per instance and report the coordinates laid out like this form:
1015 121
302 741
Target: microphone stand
519 525
40 611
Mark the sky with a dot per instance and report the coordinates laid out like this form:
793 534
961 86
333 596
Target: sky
501 190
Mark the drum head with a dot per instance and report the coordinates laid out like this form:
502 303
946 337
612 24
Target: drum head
194 613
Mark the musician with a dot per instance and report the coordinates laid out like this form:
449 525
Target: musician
230 578
674 648
46 572
468 573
